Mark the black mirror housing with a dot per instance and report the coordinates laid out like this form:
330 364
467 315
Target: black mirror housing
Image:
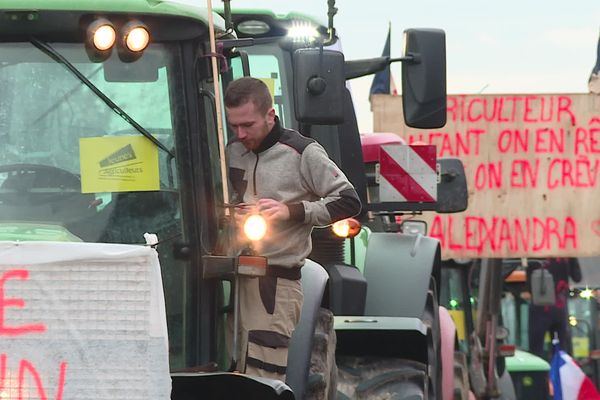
424 78
319 86
452 192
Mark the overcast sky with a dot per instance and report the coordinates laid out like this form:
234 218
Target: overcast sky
507 46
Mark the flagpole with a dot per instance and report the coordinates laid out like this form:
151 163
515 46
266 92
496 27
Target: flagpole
217 90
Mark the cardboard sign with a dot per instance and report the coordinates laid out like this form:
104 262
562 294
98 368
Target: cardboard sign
533 170
118 164
82 321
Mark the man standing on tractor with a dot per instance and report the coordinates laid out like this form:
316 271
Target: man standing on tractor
552 318
289 180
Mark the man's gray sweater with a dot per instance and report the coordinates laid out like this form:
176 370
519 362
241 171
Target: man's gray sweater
296 171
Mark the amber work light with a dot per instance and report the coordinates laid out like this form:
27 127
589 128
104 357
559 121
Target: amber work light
100 39
135 36
346 228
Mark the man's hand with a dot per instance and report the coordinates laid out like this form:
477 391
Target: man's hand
241 212
273 210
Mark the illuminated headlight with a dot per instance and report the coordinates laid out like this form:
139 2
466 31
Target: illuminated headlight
101 34
255 227
302 31
346 228
137 38
572 320
586 293
104 37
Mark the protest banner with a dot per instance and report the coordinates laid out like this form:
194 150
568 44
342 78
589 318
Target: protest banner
532 163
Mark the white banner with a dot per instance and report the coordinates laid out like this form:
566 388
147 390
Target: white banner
82 321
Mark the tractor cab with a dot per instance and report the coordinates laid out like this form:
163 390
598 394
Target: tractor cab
109 136
101 127
109 132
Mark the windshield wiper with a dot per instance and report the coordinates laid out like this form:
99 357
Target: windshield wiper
56 56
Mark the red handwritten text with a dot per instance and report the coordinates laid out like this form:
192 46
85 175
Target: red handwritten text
16 388
541 140
14 302
499 234
578 173
452 145
527 109
587 141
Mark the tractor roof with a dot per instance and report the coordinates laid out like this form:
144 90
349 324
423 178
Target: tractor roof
278 15
156 7
523 361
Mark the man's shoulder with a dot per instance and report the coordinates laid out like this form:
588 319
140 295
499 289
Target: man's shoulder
295 140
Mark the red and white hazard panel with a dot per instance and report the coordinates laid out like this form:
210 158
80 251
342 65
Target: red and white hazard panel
407 173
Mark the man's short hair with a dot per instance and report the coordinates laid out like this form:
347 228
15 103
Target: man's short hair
246 89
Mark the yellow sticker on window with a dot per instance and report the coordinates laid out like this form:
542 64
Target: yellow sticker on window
270 82
118 164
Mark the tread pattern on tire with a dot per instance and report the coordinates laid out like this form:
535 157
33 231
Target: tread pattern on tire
322 379
375 378
431 319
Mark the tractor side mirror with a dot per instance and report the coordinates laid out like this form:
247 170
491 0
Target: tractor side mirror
424 78
453 195
319 84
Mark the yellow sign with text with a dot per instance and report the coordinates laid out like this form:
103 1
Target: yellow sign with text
118 164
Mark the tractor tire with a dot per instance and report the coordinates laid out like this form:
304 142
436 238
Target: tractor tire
477 376
434 351
362 378
322 376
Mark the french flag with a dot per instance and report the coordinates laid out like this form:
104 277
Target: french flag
568 380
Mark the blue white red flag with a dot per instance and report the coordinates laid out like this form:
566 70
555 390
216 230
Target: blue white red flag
568 380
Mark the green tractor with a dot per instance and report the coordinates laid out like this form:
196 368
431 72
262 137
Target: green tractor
385 345
530 372
111 130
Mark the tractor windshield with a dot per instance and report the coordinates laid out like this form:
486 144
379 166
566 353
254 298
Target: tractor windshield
68 160
72 169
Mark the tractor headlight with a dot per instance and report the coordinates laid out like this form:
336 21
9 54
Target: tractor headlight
104 37
301 31
255 227
346 228
136 37
100 39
